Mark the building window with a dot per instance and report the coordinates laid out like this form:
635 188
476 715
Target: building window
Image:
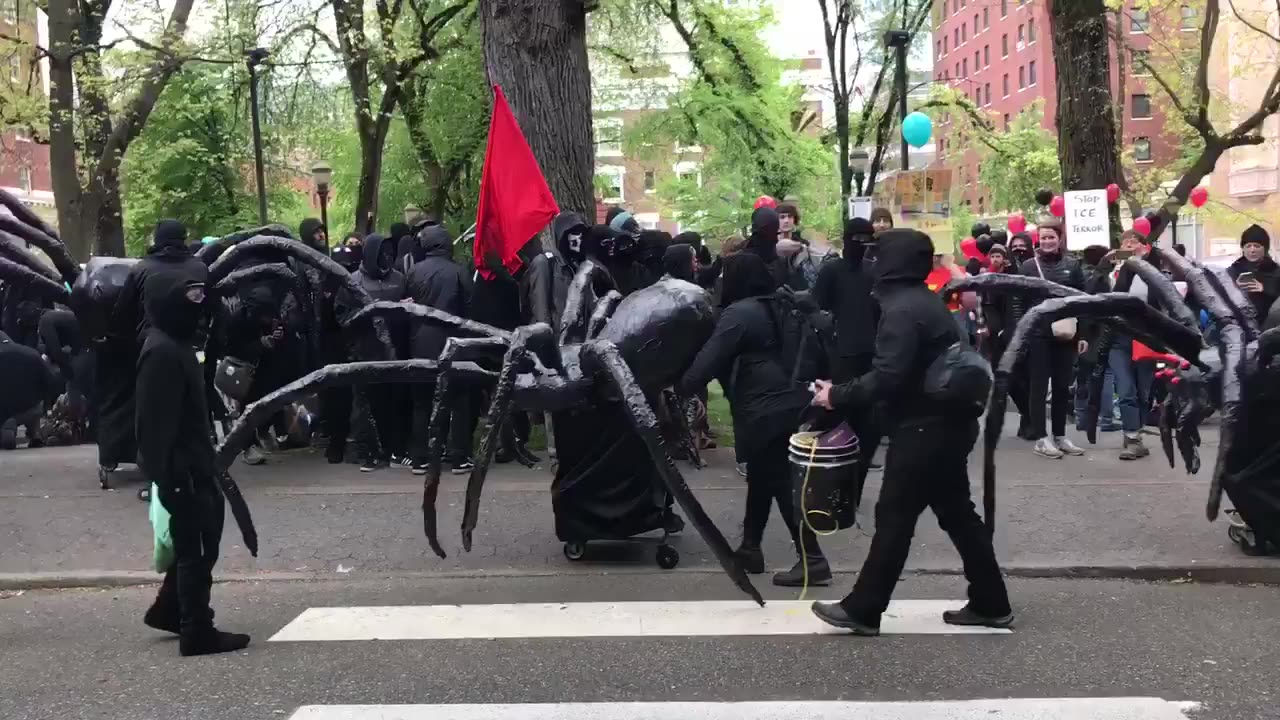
1022 34
24 178
964 67
612 183
964 33
1142 149
9 11
1022 77
945 45
988 86
986 18
1031 73
976 27
609 137
1190 18
1004 8
955 36
1006 121
1139 20
1140 60
650 181
939 48
977 56
15 65
958 75
1006 84
1004 45
1141 106
689 172
1031 30
986 56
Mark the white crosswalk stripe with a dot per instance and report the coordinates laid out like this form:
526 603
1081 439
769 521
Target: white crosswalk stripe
1038 709
586 620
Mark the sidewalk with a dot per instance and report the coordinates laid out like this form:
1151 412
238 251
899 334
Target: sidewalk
1093 515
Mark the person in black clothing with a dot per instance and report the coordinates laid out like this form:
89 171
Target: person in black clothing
1051 360
497 300
62 342
26 383
927 463
1264 288
743 354
438 282
404 239
680 262
763 242
378 276
314 235
169 252
175 451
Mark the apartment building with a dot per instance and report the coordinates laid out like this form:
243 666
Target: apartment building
24 162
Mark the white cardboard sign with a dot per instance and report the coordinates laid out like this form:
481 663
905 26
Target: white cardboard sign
1087 221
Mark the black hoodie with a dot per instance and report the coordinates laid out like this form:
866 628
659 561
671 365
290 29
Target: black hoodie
25 379
844 289
307 232
437 281
169 254
763 241
915 328
175 450
377 273
677 262
569 229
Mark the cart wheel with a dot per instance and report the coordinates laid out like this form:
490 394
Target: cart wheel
104 478
575 550
668 557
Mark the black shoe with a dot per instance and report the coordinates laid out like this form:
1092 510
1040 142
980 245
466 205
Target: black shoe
819 574
503 458
333 459
372 465
834 614
673 523
163 620
211 642
462 468
401 461
966 617
751 559
419 468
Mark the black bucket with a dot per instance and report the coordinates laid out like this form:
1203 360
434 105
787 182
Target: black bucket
824 479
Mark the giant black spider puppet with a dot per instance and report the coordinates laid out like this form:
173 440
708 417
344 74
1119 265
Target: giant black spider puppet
1245 385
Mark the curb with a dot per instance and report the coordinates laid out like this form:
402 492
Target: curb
1207 574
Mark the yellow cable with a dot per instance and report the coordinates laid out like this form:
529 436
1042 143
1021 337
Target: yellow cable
804 517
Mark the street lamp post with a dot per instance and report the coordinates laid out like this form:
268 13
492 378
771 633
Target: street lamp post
858 160
321 174
253 59
898 40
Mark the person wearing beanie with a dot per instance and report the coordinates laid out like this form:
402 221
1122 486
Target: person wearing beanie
1261 275
169 252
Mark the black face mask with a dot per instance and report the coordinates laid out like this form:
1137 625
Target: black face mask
1020 254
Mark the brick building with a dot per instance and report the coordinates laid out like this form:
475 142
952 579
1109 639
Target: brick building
999 53
24 162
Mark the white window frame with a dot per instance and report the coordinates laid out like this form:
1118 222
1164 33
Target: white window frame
609 149
1133 22
1151 152
24 178
688 167
618 173
654 189
648 221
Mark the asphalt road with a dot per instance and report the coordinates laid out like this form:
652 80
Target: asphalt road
85 654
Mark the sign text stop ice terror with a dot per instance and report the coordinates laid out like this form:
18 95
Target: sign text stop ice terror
1087 222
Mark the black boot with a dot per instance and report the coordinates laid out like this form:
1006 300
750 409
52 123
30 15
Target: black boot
751 559
834 614
163 618
819 573
210 642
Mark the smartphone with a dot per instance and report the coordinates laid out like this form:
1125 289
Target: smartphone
1245 278
1121 255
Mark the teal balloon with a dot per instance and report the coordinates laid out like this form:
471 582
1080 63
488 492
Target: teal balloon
917 129
210 239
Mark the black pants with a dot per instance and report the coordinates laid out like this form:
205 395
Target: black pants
1017 380
864 422
335 412
769 481
1050 362
927 467
196 528
460 425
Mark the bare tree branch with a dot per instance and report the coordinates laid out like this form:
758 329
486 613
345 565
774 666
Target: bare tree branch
1250 25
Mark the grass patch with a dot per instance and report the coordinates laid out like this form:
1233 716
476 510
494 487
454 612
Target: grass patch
718 415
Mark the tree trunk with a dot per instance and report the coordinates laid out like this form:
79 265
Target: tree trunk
536 50
1087 151
1202 167
109 240
370 176
63 167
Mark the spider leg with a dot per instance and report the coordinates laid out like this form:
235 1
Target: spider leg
275 273
11 249
21 275
604 310
1159 286
499 407
1232 348
581 300
1097 382
677 411
1168 418
435 437
25 225
209 253
604 359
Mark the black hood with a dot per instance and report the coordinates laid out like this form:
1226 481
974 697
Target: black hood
435 241
379 256
745 276
764 234
568 229
169 307
677 262
904 256
402 236
170 238
348 257
307 231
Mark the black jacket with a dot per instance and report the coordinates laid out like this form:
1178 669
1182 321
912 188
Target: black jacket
544 290
1266 272
377 274
131 316
1002 311
844 289
1065 270
438 282
915 328
175 446
25 379
61 339
744 355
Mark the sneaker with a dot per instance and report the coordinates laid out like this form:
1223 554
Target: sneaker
819 574
253 456
463 468
372 465
834 614
1046 448
211 642
1066 446
751 559
966 617
1134 449
401 461
742 469
419 468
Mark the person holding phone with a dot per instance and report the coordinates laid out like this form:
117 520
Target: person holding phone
1255 273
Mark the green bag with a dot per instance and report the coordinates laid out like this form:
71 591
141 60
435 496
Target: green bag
162 555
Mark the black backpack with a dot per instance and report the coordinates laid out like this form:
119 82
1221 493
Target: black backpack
806 335
959 379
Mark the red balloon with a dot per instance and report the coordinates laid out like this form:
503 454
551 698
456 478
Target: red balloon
969 246
1113 192
765 201
1058 206
1199 196
1017 224
1142 226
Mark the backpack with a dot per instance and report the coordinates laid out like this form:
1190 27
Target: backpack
806 335
960 379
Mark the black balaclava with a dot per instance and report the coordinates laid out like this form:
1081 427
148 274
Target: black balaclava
677 262
1020 255
170 238
764 234
175 304
569 229
307 233
905 257
859 235
693 239
348 257
379 256
745 276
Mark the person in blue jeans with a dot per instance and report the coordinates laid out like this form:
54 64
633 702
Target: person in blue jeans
1133 380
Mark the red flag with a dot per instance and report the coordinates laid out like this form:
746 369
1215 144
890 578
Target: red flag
515 202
